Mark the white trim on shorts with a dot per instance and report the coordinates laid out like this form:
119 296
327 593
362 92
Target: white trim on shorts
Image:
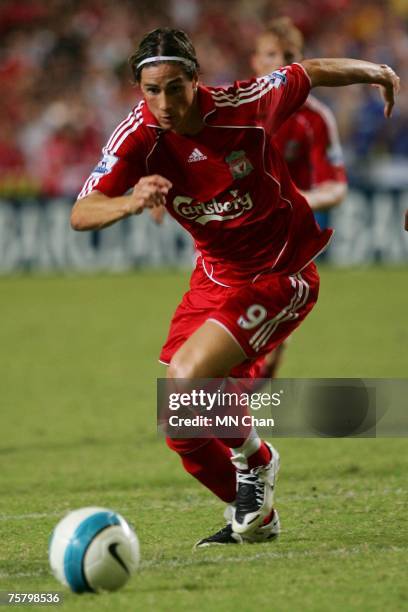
231 334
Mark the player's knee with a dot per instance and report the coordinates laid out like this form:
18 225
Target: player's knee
180 367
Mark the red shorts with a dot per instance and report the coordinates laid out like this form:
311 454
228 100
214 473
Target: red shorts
258 315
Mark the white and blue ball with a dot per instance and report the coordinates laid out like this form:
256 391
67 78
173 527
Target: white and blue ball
93 549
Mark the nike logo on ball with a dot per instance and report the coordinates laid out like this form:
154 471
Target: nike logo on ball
112 549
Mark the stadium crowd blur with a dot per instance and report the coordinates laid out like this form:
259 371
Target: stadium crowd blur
65 80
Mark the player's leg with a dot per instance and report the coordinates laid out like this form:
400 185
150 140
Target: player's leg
206 459
260 325
272 362
212 352
209 461
258 319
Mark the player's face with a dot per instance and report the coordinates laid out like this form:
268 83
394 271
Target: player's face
268 55
169 94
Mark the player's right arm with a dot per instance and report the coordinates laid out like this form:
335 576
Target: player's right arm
97 210
118 186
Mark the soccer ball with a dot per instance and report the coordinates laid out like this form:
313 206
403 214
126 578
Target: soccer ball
93 549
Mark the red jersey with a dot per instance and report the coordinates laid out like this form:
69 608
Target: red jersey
231 188
310 144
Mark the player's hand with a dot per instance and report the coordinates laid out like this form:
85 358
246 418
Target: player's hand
389 88
149 192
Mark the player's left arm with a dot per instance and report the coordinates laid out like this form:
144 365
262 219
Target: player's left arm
337 72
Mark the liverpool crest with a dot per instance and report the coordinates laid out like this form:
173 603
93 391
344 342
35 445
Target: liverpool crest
239 164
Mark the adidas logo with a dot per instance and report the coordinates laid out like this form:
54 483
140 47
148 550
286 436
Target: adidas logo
196 156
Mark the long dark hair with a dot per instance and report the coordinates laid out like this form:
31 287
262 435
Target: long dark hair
165 41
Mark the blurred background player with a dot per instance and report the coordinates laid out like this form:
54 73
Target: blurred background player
308 140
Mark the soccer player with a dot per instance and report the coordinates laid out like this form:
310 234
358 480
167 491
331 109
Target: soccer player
204 153
308 141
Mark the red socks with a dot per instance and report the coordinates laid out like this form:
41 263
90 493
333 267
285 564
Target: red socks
210 462
260 457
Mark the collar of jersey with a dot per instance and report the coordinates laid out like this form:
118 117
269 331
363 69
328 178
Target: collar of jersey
205 103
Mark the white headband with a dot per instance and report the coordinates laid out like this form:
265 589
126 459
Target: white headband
164 58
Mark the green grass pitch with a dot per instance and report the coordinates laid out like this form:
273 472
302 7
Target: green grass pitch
78 369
